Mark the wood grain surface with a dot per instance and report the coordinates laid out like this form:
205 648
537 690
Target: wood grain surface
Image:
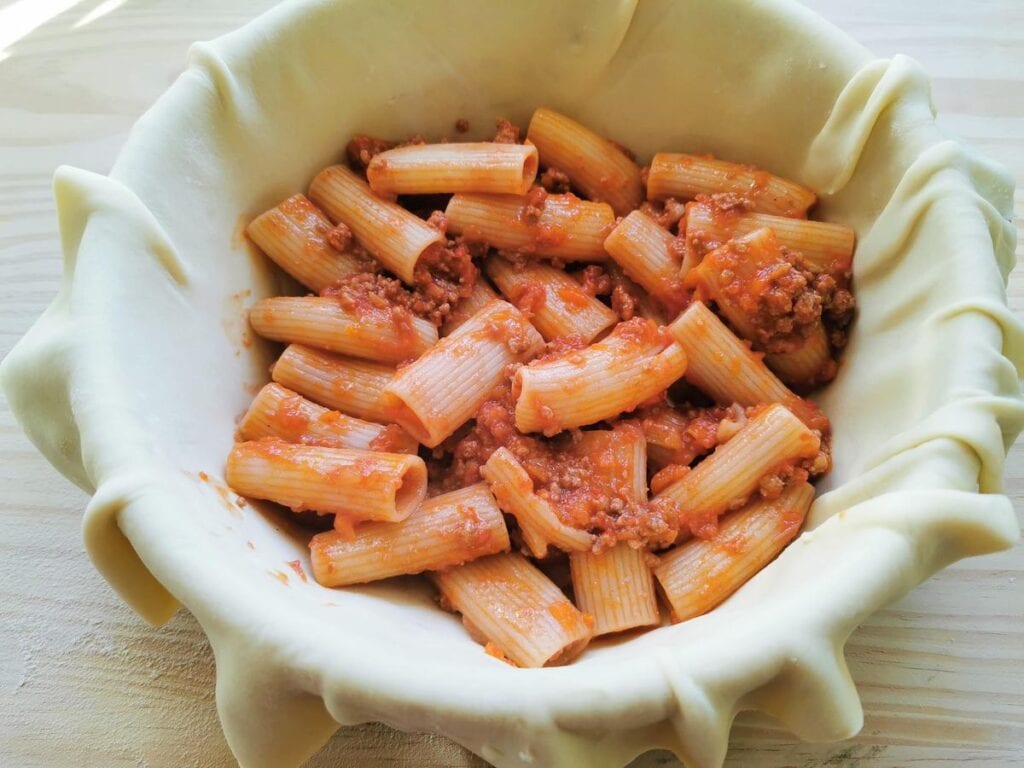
83 682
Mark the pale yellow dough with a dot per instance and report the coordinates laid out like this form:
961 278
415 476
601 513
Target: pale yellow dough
130 383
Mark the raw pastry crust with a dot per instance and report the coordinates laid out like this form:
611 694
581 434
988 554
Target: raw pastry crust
131 380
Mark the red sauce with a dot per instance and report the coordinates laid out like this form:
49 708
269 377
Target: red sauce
530 297
565 613
508 133
555 181
289 417
666 476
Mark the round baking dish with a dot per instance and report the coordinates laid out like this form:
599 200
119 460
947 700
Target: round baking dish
131 381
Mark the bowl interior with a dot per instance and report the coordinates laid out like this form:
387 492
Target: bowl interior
245 127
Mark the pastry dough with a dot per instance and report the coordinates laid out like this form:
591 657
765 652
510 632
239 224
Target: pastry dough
130 382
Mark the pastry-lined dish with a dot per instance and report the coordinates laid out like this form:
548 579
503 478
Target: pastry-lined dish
528 376
133 381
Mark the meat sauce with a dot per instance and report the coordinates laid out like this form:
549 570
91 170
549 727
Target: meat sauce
591 491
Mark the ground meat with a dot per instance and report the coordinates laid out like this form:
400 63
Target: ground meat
651 524
441 280
560 347
493 428
508 133
838 303
667 213
623 302
583 497
777 295
629 300
340 237
443 277
533 207
373 295
726 202
680 435
595 280
363 148
439 221
555 181
529 298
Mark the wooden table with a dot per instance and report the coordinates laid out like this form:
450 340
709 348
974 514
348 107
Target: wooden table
83 682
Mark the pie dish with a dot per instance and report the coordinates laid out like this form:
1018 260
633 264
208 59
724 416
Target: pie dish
129 380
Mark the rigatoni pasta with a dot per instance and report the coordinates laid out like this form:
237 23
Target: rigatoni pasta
354 387
557 226
687 176
296 235
768 442
359 485
599 168
612 376
517 609
721 365
823 246
286 415
395 237
616 585
446 531
485 167
700 574
325 323
442 389
539 523
557 304
768 301
645 252
627 421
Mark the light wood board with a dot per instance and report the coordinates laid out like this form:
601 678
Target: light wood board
83 682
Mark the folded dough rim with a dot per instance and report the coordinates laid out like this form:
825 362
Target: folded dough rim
139 330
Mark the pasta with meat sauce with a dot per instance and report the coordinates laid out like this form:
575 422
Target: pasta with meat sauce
532 356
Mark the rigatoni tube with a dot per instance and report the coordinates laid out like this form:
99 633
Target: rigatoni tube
823 246
599 168
284 414
686 176
537 519
804 366
698 575
723 367
739 276
556 303
379 334
633 363
294 235
441 391
395 237
508 601
616 586
482 295
485 167
565 227
733 472
352 386
445 531
644 250
360 485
